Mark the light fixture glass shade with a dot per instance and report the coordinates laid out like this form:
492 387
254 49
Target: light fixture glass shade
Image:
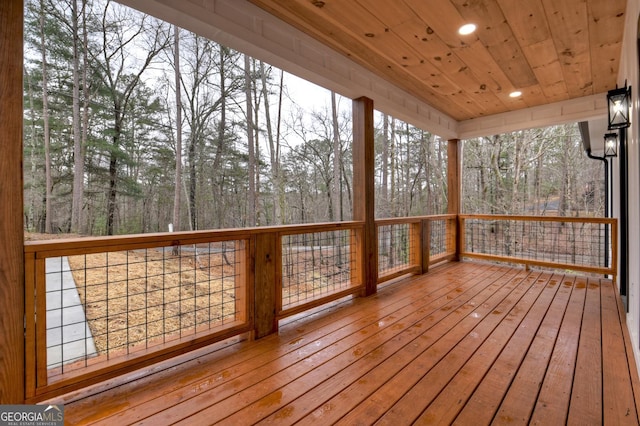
611 145
618 101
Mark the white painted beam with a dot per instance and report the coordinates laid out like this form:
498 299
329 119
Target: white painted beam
570 111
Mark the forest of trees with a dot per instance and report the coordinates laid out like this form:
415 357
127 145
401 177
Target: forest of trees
532 172
131 124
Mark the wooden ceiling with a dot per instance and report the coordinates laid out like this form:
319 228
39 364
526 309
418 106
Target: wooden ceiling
550 50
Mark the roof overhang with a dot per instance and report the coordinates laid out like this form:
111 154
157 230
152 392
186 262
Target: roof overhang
243 26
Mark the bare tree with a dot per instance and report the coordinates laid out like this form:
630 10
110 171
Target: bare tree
178 174
121 74
78 146
274 147
45 120
248 81
337 157
384 202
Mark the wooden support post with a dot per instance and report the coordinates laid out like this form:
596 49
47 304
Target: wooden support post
426 245
30 325
460 243
416 247
454 180
41 323
364 190
266 250
12 344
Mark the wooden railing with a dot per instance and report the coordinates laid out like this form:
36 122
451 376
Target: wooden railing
571 243
319 264
99 307
412 244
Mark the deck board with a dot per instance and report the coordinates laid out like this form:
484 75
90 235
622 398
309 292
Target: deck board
490 391
552 405
618 403
586 399
447 405
467 343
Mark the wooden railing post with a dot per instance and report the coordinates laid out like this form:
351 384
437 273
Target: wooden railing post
266 277
425 245
415 245
364 190
30 325
460 246
12 363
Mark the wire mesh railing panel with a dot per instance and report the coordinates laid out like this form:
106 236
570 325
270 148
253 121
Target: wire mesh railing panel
315 265
440 237
584 243
395 247
104 305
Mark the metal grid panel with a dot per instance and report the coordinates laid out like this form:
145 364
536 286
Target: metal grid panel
440 236
115 303
575 243
395 247
315 265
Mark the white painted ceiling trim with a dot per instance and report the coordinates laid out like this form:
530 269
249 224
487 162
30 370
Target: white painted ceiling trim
244 27
593 107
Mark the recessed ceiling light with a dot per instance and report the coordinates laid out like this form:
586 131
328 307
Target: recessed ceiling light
467 29
515 94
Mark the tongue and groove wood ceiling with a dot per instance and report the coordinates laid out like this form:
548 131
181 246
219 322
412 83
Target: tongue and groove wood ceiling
550 50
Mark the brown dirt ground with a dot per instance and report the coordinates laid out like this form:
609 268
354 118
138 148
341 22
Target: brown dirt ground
133 297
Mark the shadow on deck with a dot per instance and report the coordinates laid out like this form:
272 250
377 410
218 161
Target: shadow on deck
467 343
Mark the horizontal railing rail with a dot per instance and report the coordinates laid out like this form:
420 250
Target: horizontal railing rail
570 243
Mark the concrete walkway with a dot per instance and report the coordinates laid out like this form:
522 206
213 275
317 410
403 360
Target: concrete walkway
69 338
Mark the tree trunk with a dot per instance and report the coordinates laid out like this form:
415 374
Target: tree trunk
392 155
563 204
78 151
337 157
218 188
337 181
384 209
274 150
251 207
177 188
113 176
281 190
193 176
86 96
31 211
45 122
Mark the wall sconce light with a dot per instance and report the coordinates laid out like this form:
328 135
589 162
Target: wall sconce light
611 145
618 101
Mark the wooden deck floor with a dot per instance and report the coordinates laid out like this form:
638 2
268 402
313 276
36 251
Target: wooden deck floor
468 343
